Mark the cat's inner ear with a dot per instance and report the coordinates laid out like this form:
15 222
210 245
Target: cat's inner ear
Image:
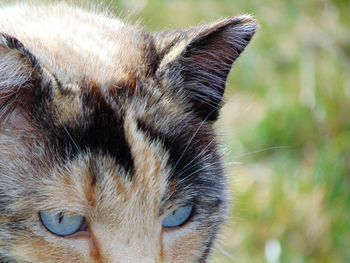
197 61
19 74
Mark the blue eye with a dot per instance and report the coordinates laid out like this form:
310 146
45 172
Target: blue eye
178 217
60 224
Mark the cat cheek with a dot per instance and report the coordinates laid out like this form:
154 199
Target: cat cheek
188 243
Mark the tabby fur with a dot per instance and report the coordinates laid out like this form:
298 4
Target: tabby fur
103 119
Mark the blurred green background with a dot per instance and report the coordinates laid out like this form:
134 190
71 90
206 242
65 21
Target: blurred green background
285 126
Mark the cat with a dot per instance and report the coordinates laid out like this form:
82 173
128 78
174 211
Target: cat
107 147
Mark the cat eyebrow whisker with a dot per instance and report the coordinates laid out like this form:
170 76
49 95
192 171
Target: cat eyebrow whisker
200 154
190 141
71 138
203 168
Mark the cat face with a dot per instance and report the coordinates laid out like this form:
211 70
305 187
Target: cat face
112 161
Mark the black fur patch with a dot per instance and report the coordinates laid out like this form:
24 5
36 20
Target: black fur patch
98 129
179 155
202 172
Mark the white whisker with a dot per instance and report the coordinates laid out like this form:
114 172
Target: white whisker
261 150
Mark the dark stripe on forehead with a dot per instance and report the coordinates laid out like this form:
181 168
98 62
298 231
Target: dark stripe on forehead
98 129
180 157
196 165
194 161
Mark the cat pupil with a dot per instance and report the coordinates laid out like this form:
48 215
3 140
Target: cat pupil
60 217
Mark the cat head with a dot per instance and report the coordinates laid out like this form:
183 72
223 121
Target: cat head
122 168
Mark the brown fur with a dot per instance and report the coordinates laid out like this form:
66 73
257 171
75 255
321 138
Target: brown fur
107 121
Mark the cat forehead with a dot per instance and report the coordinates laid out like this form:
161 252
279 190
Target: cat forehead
129 154
89 119
75 43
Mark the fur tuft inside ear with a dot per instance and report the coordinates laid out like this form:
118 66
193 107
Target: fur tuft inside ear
18 76
198 61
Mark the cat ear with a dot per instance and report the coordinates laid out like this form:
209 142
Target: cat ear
19 74
197 61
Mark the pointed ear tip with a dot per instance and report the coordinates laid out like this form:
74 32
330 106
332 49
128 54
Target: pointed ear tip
248 21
